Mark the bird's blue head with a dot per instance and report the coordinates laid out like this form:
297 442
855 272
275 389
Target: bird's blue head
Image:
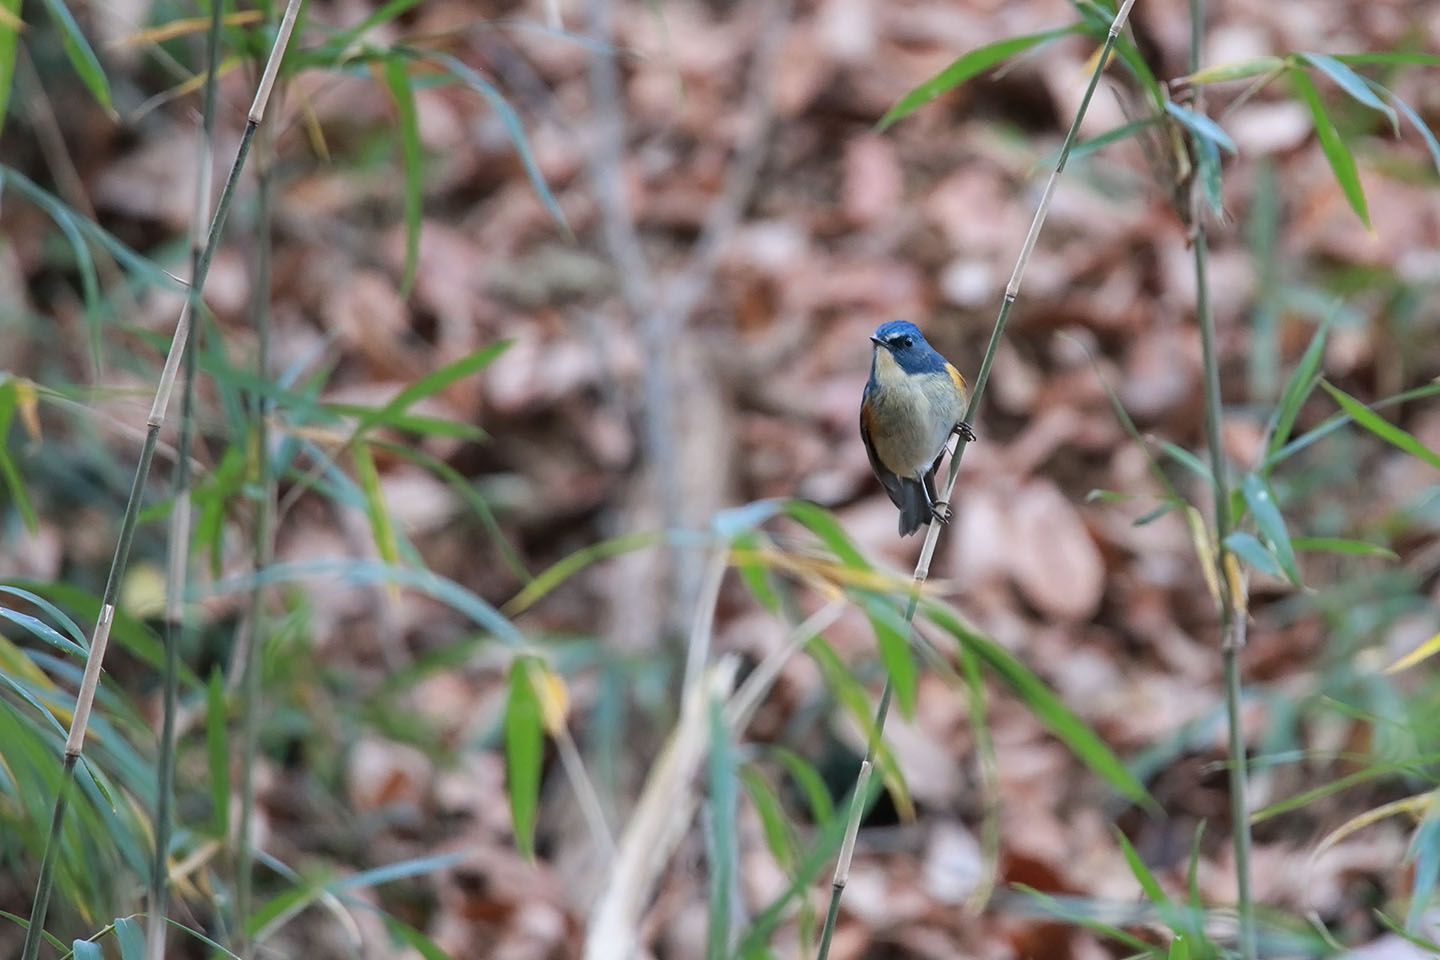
907 346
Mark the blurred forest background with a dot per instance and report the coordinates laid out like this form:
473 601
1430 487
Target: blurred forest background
644 245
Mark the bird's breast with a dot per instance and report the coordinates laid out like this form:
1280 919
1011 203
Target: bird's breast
911 415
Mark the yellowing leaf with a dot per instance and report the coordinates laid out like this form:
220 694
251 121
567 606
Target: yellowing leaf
553 695
184 27
27 402
1423 652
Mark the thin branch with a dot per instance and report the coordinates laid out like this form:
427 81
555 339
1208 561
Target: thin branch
178 571
932 534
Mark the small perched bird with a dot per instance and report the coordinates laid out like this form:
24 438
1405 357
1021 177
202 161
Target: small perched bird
913 402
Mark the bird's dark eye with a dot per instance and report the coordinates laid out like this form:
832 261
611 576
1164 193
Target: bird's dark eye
905 342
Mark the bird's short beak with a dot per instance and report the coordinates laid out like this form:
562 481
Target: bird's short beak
877 341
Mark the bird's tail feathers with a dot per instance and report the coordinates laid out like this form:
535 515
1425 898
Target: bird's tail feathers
914 507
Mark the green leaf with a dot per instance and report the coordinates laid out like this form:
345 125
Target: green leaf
1188 460
9 469
9 43
55 613
381 524
431 384
1391 57
1426 134
1202 126
969 65
414 938
823 524
400 870
1272 525
1153 891
1252 551
1352 83
562 570
1043 703
773 822
1341 419
131 938
1179 948
1207 163
524 753
808 779
1297 388
42 630
398 79
509 118
82 57
892 634
723 848
1382 428
217 745
1236 70
1342 163
1354 548
1115 135
86 950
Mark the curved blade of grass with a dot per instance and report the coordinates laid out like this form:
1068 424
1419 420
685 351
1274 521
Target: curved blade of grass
414 939
524 745
42 630
381 524
509 117
398 79
218 753
414 867
966 67
823 524
1086 147
1391 57
1261 501
80 54
1382 428
1342 163
817 795
774 825
1341 419
1044 704
1352 83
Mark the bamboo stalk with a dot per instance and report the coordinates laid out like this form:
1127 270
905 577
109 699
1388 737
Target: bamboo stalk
932 534
85 699
179 547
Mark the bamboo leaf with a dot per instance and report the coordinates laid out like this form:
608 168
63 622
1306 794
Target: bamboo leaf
131 939
892 635
1426 134
524 746
398 79
968 66
823 524
432 383
817 795
773 823
217 744
512 123
1342 163
1408 58
1353 548
1261 501
414 938
1236 70
81 56
10 25
1352 83
9 470
1382 428
86 950
382 525
1044 704
1248 548
1202 126
1297 389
